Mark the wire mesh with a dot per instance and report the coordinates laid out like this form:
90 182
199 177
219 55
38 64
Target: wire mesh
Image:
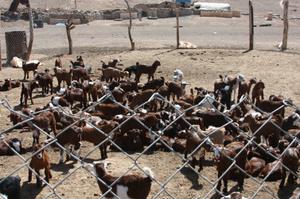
156 135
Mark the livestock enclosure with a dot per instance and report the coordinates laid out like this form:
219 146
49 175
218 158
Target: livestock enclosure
174 177
191 124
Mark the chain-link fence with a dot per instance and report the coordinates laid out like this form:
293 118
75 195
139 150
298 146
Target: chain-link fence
174 172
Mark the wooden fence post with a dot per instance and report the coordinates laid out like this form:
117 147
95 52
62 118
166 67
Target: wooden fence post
177 27
30 32
285 24
0 47
251 26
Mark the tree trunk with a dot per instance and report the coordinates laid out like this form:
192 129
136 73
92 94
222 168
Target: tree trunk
130 26
285 25
70 26
30 33
251 26
70 42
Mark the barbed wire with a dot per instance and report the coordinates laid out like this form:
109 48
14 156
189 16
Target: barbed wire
157 135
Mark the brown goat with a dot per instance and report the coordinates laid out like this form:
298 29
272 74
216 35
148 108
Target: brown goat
29 66
141 98
270 106
110 74
110 64
128 186
93 136
45 81
38 162
278 172
175 89
258 92
149 70
245 87
254 166
224 164
26 91
79 74
291 160
44 120
58 63
270 132
62 76
76 94
154 84
108 111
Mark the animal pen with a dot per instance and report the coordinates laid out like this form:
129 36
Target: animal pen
204 183
178 173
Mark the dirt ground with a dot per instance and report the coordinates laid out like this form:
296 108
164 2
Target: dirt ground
279 71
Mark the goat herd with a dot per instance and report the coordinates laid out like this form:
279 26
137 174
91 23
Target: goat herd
118 111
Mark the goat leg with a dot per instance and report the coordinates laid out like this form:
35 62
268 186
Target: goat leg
282 180
220 181
25 99
201 161
38 180
291 179
21 99
30 95
47 174
225 189
241 182
62 152
29 175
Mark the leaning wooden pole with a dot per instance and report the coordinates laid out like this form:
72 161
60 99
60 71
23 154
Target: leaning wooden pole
130 26
285 4
31 35
251 26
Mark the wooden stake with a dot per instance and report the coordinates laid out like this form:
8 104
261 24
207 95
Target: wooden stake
0 47
285 24
76 4
130 26
251 26
177 27
30 33
69 26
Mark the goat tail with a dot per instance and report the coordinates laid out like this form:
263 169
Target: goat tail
148 172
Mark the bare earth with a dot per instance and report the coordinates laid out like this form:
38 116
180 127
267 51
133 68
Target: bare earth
105 40
278 70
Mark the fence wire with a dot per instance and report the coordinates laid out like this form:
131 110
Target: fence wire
156 135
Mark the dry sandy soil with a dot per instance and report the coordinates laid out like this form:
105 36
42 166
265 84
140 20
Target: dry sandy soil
104 40
279 71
